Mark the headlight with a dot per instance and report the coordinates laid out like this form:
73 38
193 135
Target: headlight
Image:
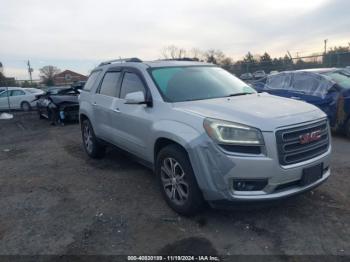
224 132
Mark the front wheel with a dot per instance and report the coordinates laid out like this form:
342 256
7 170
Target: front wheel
25 106
92 146
177 181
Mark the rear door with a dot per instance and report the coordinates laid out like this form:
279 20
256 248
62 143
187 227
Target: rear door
133 122
16 98
103 105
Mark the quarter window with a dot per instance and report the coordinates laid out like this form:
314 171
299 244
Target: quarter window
131 83
109 84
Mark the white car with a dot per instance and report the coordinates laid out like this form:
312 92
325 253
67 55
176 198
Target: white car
259 74
19 98
246 76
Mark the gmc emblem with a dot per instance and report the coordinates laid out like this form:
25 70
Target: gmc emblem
310 137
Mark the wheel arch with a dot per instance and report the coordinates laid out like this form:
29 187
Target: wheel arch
162 142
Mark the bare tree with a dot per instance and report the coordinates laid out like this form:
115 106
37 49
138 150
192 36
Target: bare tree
47 74
226 62
214 56
196 54
173 52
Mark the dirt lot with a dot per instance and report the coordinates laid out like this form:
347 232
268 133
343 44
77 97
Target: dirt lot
55 200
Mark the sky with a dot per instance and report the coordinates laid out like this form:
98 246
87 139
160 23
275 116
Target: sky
78 34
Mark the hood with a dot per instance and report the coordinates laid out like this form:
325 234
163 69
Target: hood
59 99
263 111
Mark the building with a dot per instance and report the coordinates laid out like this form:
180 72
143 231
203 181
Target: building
68 77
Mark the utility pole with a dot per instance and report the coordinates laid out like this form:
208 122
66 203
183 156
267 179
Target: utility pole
30 71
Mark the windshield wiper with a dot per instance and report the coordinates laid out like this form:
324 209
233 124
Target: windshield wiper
239 94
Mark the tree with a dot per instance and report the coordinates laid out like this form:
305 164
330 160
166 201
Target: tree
265 59
249 58
196 54
214 56
173 52
7 81
47 74
226 62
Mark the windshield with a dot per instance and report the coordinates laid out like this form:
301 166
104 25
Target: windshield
341 78
178 84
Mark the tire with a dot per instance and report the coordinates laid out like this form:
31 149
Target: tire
92 146
177 181
25 106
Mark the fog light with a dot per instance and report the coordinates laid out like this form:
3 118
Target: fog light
249 184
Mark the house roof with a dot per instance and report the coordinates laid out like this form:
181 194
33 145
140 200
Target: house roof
66 72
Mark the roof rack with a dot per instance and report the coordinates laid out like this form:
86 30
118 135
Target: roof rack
180 59
121 60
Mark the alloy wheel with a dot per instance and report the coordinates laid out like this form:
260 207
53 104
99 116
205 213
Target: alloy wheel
87 138
174 181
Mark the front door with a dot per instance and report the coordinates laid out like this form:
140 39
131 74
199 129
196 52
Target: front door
133 123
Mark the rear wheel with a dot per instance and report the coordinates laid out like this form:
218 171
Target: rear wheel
92 146
177 181
25 106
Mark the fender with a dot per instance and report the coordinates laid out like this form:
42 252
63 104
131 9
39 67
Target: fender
183 134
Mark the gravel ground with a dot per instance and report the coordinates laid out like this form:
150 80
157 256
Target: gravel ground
55 200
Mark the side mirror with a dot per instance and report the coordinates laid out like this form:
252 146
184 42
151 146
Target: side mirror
135 98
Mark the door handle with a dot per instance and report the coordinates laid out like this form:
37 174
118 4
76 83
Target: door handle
116 110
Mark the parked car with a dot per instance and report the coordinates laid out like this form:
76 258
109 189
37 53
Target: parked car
326 88
259 74
78 84
207 135
246 76
59 104
19 98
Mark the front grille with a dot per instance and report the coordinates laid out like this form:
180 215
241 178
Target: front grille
290 148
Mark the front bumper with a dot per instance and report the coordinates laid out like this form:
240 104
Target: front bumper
216 170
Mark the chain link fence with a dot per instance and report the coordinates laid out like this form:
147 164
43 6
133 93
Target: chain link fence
331 59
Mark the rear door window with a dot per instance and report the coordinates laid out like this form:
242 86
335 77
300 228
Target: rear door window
91 81
109 86
278 81
17 93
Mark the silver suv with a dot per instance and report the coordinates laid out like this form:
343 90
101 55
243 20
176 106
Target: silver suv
207 135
